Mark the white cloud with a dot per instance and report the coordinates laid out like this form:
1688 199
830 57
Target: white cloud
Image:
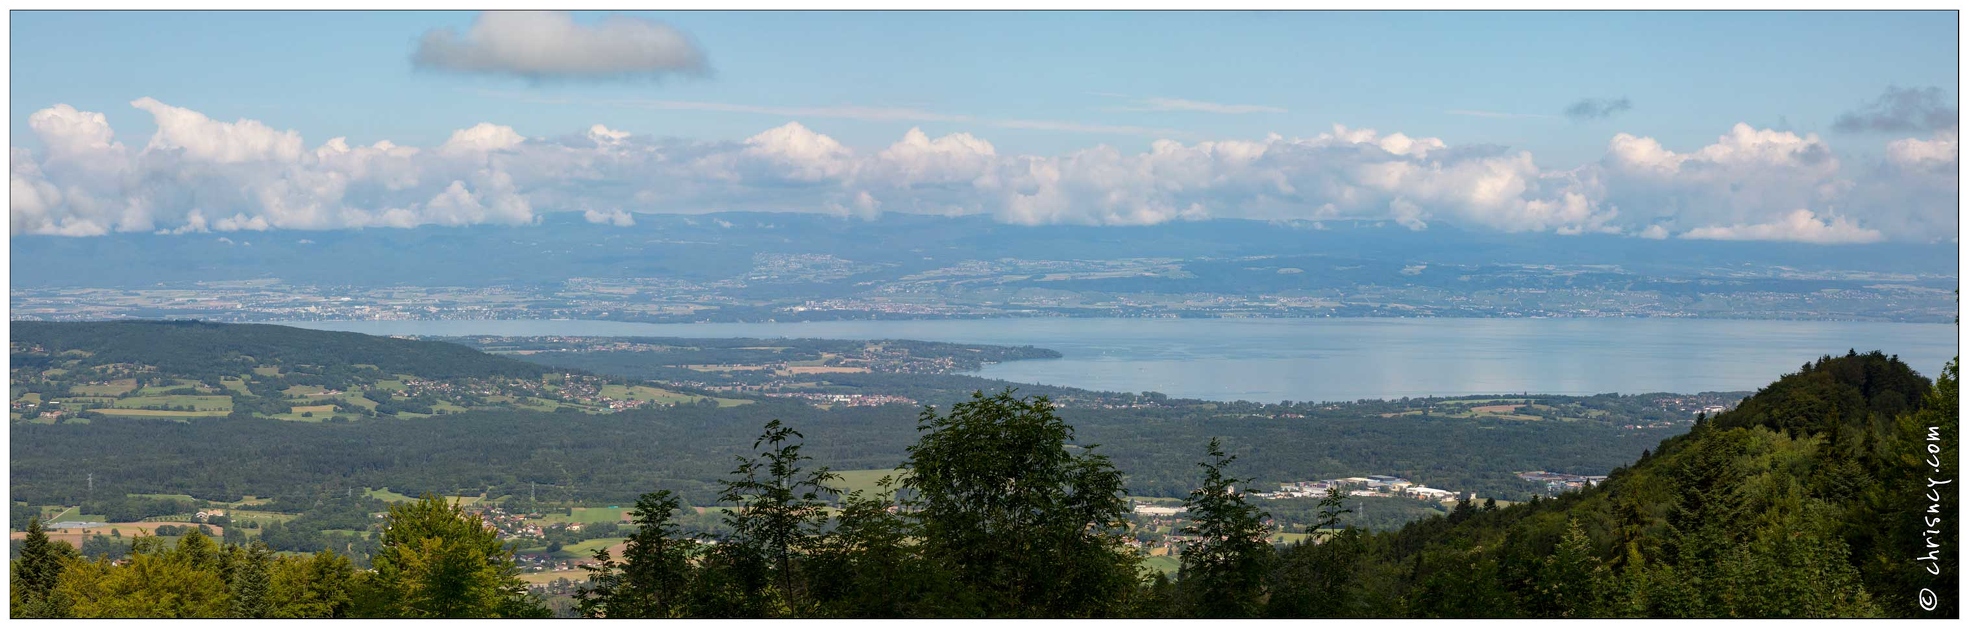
550 44
482 137
199 175
1916 152
617 218
604 136
1797 226
790 152
205 139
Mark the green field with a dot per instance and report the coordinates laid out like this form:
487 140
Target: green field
198 402
588 548
184 497
1166 563
660 396
142 413
386 495
320 412
542 578
864 480
588 515
118 387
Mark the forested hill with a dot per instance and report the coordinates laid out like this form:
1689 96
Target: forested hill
192 347
187 370
1806 500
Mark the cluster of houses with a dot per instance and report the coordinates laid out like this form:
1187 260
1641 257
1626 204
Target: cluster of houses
825 400
1558 483
1370 485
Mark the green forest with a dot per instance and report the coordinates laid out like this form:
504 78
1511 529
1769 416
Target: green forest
1810 499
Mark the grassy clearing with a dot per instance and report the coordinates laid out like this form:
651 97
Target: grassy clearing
1167 564
386 495
237 385
644 393
242 516
184 497
266 370
543 578
197 402
154 414
588 515
863 480
587 548
114 388
308 414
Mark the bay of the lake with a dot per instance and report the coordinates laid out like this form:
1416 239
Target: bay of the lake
1269 360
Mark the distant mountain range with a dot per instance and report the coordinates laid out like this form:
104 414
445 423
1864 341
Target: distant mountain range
716 246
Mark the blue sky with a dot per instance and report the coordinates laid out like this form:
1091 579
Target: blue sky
1468 79
1690 75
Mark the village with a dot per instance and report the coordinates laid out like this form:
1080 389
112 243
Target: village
1367 486
1556 483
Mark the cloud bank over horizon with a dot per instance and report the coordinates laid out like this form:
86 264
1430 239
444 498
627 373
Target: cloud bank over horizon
197 174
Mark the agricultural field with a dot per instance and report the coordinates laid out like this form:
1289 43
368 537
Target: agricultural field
589 515
863 480
112 388
386 495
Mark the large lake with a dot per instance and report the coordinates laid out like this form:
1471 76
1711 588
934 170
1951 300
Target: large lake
1335 359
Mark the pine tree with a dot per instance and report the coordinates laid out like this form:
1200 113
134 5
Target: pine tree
252 582
1223 571
36 572
1570 579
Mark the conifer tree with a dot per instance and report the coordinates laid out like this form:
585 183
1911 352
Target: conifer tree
1223 570
36 572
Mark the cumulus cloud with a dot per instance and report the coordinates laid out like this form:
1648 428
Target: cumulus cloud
551 45
1797 226
201 176
1901 110
481 138
617 218
200 138
1597 108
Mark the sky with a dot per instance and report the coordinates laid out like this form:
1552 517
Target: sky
1814 127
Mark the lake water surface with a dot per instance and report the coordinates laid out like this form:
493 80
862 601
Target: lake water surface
1269 360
